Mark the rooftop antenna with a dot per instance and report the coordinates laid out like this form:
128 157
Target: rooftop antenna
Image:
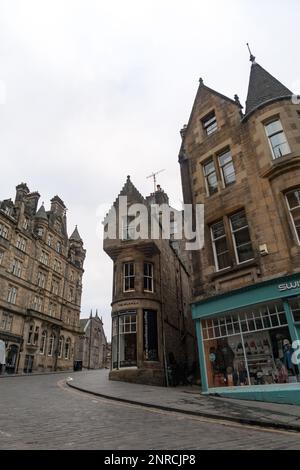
252 57
153 175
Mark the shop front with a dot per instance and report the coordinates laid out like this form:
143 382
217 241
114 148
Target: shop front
247 342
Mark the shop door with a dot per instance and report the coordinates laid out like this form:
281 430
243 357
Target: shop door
28 366
11 360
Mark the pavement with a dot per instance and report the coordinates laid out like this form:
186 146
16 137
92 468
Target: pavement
189 401
42 412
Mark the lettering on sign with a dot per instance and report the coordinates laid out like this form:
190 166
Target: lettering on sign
289 286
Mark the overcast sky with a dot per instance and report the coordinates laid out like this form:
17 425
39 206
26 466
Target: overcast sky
92 91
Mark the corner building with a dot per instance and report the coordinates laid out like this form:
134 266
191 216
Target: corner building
245 168
151 317
41 271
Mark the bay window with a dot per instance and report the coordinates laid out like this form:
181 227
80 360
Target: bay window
124 340
293 202
277 139
128 277
150 335
148 277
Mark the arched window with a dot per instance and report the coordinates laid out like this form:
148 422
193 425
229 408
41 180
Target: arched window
51 345
30 334
67 348
43 342
60 346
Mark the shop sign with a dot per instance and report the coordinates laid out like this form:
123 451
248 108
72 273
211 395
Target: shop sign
289 286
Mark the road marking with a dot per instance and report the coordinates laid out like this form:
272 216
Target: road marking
218 422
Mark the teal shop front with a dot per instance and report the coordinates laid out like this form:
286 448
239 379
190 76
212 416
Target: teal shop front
245 341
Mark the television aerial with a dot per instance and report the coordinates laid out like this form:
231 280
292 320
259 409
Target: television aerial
154 175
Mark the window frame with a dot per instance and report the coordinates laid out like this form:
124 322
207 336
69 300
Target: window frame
290 212
4 231
6 321
116 332
210 122
43 343
221 167
67 349
269 137
149 278
16 269
51 342
129 276
30 334
205 164
12 295
60 347
234 240
21 243
213 240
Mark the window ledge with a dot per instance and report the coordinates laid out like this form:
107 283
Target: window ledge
281 165
235 269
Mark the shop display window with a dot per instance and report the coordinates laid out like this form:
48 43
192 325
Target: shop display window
124 341
251 347
295 307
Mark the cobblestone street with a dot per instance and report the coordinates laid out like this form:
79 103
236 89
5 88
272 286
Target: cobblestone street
41 412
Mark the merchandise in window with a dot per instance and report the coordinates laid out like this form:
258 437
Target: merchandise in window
252 347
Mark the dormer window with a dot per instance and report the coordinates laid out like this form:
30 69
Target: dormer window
210 124
277 139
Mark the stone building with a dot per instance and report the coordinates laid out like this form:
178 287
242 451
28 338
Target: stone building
245 168
41 272
151 291
91 344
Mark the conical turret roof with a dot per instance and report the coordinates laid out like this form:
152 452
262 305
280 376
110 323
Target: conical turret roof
41 214
263 88
75 236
